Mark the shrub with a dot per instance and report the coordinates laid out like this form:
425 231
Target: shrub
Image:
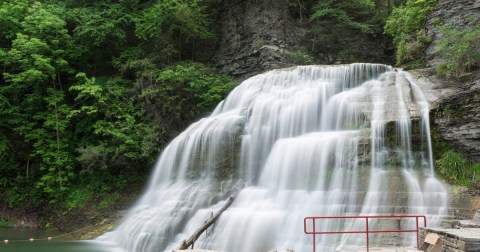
301 57
405 26
460 47
454 167
411 50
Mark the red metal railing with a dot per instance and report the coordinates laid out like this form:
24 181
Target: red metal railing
367 231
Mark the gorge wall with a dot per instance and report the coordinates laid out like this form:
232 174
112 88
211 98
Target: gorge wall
261 35
456 102
255 36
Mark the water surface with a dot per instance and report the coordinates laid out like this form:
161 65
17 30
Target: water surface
18 241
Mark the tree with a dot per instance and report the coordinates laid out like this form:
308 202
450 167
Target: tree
351 14
182 93
34 66
172 26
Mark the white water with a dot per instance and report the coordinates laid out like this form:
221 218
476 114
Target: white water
307 141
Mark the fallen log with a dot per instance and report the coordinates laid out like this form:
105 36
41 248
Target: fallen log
187 243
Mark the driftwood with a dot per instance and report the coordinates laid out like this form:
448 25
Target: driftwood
187 243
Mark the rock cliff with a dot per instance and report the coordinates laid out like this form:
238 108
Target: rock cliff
255 36
260 35
455 108
451 12
456 103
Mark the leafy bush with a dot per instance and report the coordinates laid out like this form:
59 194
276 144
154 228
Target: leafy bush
351 14
301 57
405 25
6 223
412 49
460 47
457 169
184 92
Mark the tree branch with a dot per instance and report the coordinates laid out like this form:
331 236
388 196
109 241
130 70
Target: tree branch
187 243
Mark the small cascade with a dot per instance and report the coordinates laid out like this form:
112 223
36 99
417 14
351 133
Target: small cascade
307 141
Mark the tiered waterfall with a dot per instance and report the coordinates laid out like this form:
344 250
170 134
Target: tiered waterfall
306 141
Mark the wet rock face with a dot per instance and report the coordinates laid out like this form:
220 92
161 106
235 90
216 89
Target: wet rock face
458 120
455 108
455 103
452 12
255 36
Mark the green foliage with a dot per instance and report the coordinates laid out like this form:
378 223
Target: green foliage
100 31
109 200
301 57
91 90
78 198
352 14
12 13
114 118
412 50
93 190
339 27
452 166
170 18
457 169
418 63
173 26
6 223
460 47
185 92
405 26
37 109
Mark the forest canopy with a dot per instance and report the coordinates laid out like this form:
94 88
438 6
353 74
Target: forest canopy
91 90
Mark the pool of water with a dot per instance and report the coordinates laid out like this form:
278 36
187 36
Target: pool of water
19 241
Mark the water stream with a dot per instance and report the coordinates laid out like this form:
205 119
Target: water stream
307 141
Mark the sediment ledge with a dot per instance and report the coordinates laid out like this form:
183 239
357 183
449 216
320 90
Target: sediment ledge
456 240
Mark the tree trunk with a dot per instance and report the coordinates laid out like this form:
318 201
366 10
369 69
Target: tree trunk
187 243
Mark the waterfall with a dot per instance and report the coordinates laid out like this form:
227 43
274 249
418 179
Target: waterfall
307 141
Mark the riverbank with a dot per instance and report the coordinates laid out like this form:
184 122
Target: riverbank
68 228
72 224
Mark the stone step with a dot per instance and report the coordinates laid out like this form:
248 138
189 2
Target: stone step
457 239
377 249
459 224
358 249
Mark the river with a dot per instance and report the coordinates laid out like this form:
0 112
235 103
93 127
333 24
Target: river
19 241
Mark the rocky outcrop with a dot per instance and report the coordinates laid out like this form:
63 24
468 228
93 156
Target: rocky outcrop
455 108
451 12
455 240
455 103
255 36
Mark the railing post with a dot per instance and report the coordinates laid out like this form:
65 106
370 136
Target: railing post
314 232
366 220
367 227
416 220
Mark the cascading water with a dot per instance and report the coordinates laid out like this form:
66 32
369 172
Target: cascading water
311 140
